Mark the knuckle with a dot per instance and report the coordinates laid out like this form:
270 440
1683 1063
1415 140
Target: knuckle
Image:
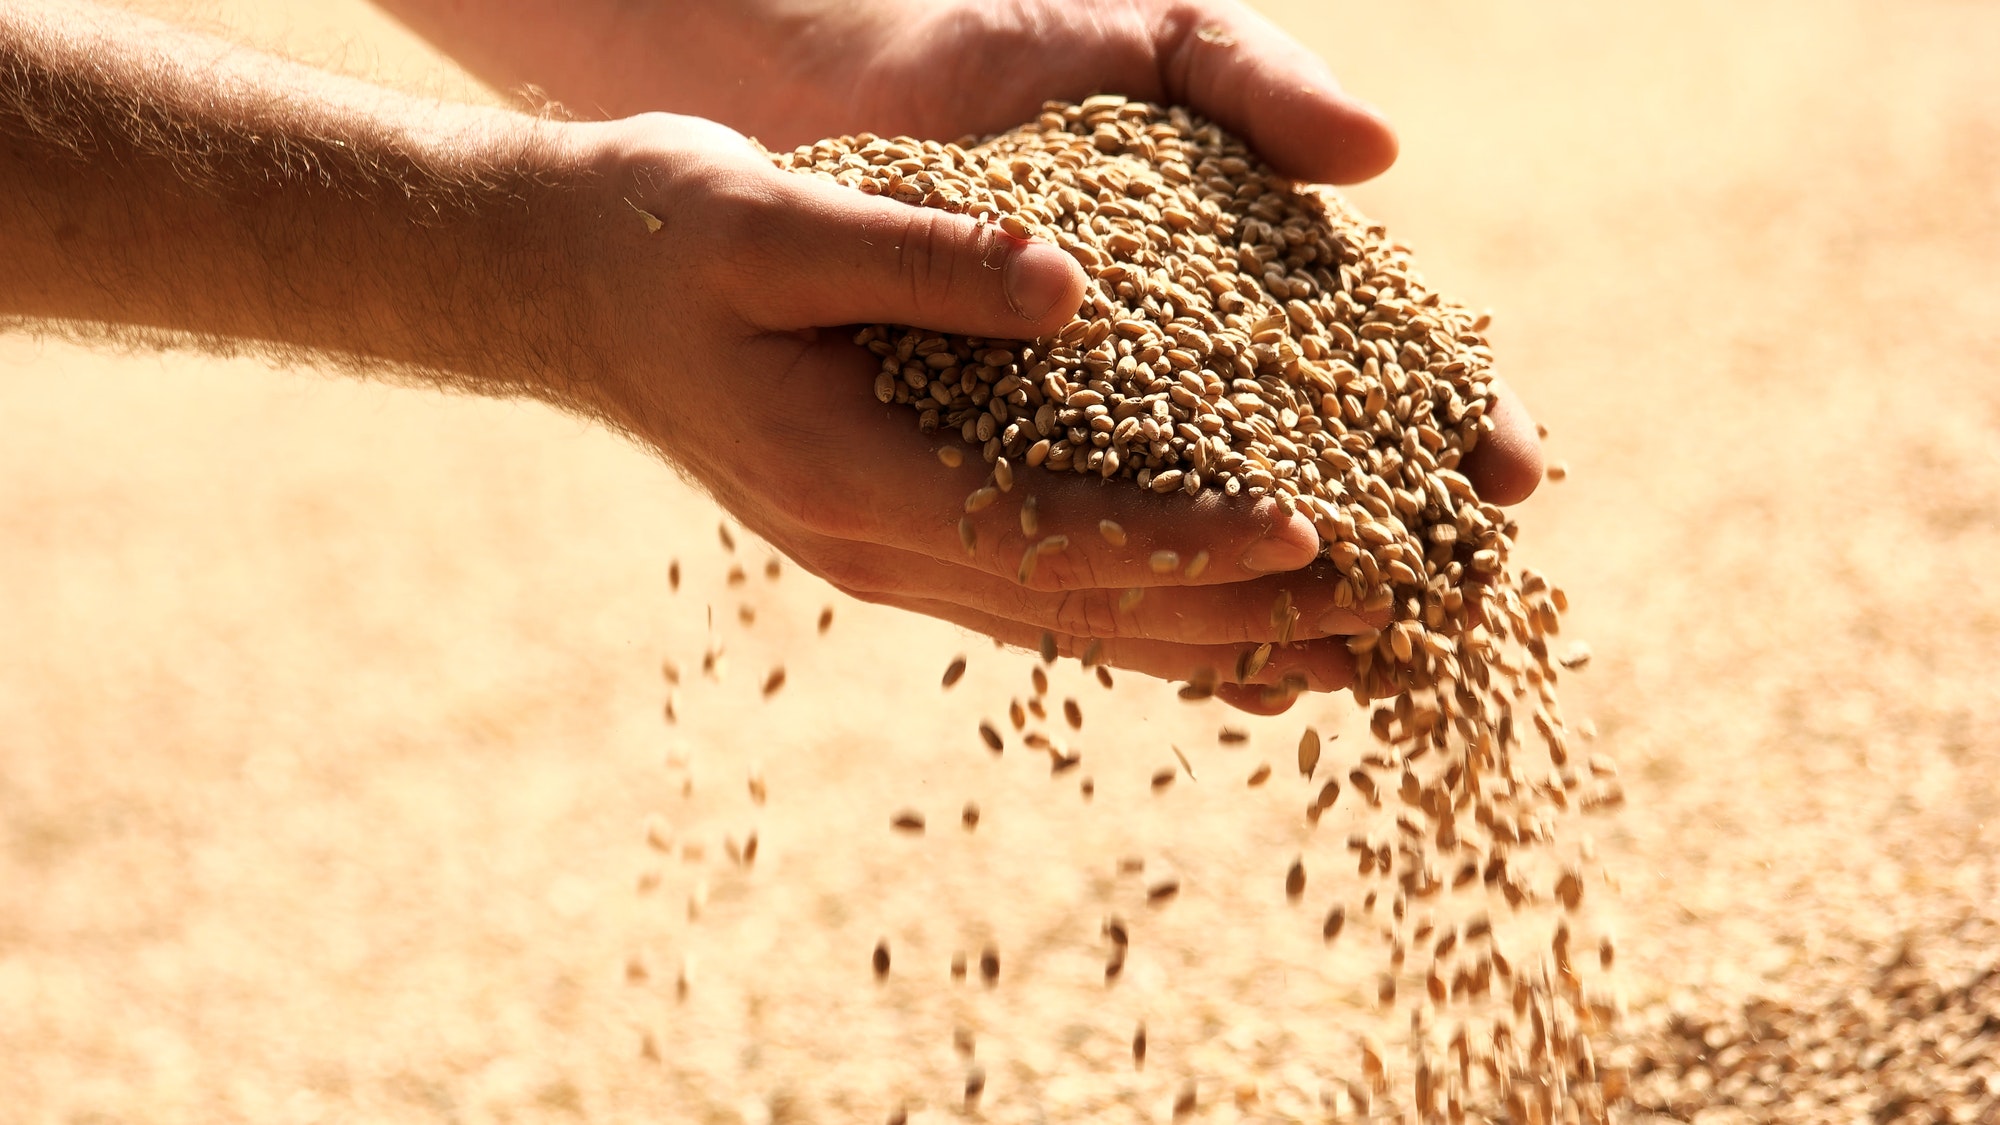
927 266
1084 613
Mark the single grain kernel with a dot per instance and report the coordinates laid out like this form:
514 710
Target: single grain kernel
954 671
1164 562
1111 532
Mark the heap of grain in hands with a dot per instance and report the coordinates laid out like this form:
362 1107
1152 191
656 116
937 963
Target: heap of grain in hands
1255 337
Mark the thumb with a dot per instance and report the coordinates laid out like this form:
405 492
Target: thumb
836 256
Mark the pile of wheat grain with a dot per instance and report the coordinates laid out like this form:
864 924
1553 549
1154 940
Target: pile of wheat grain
1248 335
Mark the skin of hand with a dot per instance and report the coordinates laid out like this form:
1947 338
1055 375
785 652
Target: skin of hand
655 272
792 71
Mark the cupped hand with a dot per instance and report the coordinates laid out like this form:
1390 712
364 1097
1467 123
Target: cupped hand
724 286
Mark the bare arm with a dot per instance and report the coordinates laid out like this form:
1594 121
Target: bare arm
656 272
162 183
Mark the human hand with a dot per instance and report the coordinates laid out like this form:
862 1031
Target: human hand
764 401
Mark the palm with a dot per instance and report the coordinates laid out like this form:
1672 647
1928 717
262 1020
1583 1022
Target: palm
948 71
984 68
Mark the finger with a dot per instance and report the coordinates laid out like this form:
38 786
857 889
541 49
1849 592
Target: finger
1239 68
1322 666
1293 607
1506 465
890 488
1266 699
1120 535
829 255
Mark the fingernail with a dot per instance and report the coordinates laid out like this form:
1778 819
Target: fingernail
1037 277
1269 556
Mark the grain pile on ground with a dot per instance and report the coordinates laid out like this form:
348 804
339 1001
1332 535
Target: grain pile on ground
1247 335
1913 1037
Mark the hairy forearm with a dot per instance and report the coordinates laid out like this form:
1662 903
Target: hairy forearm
169 184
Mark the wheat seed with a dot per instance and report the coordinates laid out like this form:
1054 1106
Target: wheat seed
953 672
1335 920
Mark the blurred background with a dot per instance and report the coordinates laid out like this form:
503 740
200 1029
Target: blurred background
331 714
